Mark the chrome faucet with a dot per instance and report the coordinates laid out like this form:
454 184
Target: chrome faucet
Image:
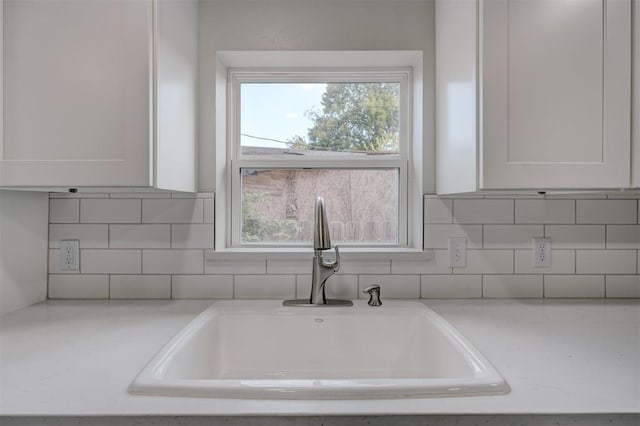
322 269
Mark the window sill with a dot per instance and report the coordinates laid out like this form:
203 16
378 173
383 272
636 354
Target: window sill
346 254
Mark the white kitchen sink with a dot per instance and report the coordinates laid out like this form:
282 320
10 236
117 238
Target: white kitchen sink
260 349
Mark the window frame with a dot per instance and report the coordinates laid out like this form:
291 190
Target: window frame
287 61
239 161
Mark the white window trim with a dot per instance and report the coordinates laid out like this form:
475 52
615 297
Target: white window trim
338 60
236 161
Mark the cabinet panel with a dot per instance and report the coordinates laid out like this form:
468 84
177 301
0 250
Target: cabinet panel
556 94
77 93
555 81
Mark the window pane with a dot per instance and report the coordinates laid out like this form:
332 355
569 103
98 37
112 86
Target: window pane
319 118
361 204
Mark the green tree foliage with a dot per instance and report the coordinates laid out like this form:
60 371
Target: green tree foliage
355 117
256 227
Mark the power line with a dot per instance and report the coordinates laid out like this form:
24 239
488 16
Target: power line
266 139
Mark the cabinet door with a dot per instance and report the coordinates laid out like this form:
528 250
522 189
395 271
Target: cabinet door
77 93
556 93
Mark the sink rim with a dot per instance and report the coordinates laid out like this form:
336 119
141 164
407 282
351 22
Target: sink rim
150 381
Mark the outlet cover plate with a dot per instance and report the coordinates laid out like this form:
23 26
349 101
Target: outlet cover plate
457 252
542 252
70 255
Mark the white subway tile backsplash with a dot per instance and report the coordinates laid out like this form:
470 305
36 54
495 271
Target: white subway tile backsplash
337 287
140 195
438 264
487 262
90 236
265 286
139 236
172 261
109 211
623 286
98 261
62 210
185 210
606 261
451 286
512 286
192 195
209 210
78 286
391 286
576 236
633 194
192 236
607 211
623 237
574 286
511 236
302 266
545 211
234 266
366 267
153 245
202 287
78 195
578 196
140 287
562 262
483 211
437 236
438 210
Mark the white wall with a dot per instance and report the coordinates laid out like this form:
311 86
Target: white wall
311 25
23 249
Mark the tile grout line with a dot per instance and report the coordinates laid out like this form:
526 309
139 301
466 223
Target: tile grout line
170 286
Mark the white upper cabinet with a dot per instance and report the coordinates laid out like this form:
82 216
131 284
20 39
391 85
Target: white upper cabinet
533 94
99 93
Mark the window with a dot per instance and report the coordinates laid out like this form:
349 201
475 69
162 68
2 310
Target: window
293 134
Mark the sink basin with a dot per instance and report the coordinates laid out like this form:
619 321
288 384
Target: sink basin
260 349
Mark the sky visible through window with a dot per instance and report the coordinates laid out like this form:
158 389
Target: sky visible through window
277 112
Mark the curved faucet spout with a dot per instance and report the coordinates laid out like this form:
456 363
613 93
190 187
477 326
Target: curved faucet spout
321 236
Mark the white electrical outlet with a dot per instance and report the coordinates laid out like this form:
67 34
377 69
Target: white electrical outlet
457 252
70 255
542 252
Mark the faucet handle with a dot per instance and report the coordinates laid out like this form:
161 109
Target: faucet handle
374 294
335 265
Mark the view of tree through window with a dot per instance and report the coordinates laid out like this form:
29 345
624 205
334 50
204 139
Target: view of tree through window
314 120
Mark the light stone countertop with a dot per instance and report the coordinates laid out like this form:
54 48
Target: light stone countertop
559 357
